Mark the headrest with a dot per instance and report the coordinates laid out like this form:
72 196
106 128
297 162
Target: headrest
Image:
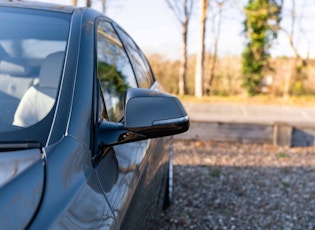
50 70
15 67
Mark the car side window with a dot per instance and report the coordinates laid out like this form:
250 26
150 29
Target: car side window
141 67
114 70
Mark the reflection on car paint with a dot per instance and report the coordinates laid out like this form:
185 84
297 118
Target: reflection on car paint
14 162
87 211
130 158
72 185
130 155
27 179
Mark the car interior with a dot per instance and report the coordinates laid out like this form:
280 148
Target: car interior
39 98
16 78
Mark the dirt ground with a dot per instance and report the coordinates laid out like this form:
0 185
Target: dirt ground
224 185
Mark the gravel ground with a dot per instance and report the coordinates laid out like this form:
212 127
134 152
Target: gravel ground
220 185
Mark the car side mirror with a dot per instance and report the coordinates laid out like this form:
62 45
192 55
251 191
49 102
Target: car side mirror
154 114
147 114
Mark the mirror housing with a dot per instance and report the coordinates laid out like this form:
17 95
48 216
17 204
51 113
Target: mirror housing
147 114
154 114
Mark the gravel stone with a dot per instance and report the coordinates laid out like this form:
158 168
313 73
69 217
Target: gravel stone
222 185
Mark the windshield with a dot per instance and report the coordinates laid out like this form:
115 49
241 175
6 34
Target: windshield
32 50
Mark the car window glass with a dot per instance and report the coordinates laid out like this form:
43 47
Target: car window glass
32 48
140 64
114 70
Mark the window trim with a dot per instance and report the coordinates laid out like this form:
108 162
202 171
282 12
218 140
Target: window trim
121 31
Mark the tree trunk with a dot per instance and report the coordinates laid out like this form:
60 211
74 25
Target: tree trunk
103 6
88 3
182 11
216 42
183 67
200 55
291 76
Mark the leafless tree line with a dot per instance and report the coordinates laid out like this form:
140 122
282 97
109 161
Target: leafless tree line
211 16
212 12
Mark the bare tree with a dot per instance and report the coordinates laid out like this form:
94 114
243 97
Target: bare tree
216 32
290 34
298 60
182 10
200 55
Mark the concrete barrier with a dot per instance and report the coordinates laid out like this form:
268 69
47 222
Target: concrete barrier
279 134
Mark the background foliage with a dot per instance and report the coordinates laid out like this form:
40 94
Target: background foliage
261 26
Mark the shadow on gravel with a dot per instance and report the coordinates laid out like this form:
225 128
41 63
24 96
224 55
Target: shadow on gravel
216 189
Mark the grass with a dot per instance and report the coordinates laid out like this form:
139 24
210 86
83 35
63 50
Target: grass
299 101
286 184
215 173
282 155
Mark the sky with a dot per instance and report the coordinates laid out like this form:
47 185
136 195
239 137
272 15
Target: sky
155 29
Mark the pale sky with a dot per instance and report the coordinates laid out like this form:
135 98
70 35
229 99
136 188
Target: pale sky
154 28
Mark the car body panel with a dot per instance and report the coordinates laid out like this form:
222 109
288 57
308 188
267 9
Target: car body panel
72 198
72 78
148 197
19 200
39 6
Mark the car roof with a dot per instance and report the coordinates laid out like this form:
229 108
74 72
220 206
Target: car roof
38 5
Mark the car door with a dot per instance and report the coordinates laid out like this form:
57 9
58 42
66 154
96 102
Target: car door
116 73
156 175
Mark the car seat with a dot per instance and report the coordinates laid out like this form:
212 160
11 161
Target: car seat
40 98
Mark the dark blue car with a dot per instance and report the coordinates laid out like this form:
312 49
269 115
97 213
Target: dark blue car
85 132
